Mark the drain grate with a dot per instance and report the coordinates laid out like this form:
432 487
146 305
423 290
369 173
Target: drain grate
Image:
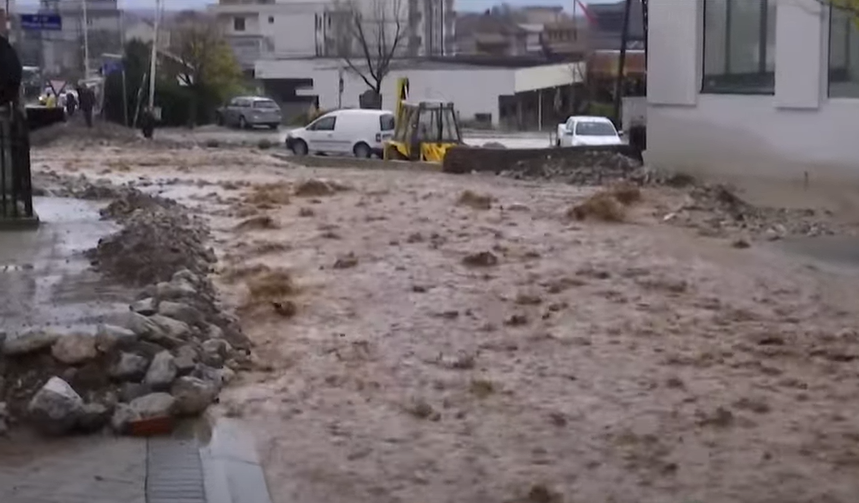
174 473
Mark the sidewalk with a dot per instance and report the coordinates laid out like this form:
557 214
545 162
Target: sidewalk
221 467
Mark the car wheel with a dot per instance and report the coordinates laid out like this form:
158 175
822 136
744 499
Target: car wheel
557 143
299 147
362 151
243 124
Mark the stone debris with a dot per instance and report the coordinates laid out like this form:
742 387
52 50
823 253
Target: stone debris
56 408
74 349
169 356
594 168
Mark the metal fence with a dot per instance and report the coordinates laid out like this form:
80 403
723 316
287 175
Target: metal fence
16 190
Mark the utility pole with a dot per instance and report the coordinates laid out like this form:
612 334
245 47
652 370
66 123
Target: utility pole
621 66
154 56
86 39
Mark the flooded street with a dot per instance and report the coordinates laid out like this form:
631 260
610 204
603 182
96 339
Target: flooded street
415 346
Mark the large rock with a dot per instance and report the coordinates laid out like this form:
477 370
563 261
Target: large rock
179 311
193 395
28 342
174 290
144 327
56 407
218 377
128 391
161 372
110 337
215 352
129 367
146 307
171 327
153 405
74 349
94 417
186 359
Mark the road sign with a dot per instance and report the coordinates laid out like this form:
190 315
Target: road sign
41 22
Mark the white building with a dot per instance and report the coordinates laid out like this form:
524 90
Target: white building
766 88
518 97
63 50
270 29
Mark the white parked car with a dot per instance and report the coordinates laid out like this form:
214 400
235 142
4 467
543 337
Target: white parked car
358 132
585 130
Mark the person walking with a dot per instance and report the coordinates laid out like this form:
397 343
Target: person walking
87 98
71 103
147 123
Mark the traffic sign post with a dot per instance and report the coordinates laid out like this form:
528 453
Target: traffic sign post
41 22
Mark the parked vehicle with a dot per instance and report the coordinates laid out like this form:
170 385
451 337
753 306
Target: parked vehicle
358 132
246 112
585 130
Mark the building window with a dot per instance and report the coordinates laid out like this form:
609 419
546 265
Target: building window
739 46
271 20
238 24
843 54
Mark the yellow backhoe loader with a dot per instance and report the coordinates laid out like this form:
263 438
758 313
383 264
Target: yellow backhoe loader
425 130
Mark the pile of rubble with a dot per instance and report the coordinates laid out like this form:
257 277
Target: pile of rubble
589 168
170 357
716 210
158 238
51 183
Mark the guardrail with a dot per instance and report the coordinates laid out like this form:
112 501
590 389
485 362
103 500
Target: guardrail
16 190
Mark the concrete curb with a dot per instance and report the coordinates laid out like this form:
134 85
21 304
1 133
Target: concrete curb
231 469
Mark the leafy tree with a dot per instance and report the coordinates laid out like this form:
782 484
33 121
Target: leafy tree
207 67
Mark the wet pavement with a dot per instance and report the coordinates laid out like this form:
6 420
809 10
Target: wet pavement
46 278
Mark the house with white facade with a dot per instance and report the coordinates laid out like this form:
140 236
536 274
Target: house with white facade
763 88
280 29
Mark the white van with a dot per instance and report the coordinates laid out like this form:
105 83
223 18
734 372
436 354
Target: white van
357 132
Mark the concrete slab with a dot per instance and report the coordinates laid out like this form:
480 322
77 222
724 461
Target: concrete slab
45 277
231 467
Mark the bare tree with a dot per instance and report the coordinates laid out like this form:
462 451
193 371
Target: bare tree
376 31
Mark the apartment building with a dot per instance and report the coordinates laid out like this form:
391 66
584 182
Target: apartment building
63 51
284 29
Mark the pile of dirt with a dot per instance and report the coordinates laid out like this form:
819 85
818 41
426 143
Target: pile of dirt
158 239
591 168
717 210
269 195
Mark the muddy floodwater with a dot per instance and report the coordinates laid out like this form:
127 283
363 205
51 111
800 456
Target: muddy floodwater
414 348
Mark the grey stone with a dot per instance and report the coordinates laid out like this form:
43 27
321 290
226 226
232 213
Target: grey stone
162 371
153 405
179 311
28 342
215 351
144 327
174 290
122 416
146 306
193 395
214 332
186 359
56 407
110 337
74 349
129 367
170 327
94 417
186 276
131 390
218 377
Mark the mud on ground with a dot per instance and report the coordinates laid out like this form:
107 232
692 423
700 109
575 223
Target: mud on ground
585 361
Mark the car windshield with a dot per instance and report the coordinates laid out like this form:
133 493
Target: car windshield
594 128
267 104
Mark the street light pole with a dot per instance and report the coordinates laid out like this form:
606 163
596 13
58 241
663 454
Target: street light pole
154 56
86 39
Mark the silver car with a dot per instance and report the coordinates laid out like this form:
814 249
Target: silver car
249 111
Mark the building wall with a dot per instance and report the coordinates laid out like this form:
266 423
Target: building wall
796 129
452 84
